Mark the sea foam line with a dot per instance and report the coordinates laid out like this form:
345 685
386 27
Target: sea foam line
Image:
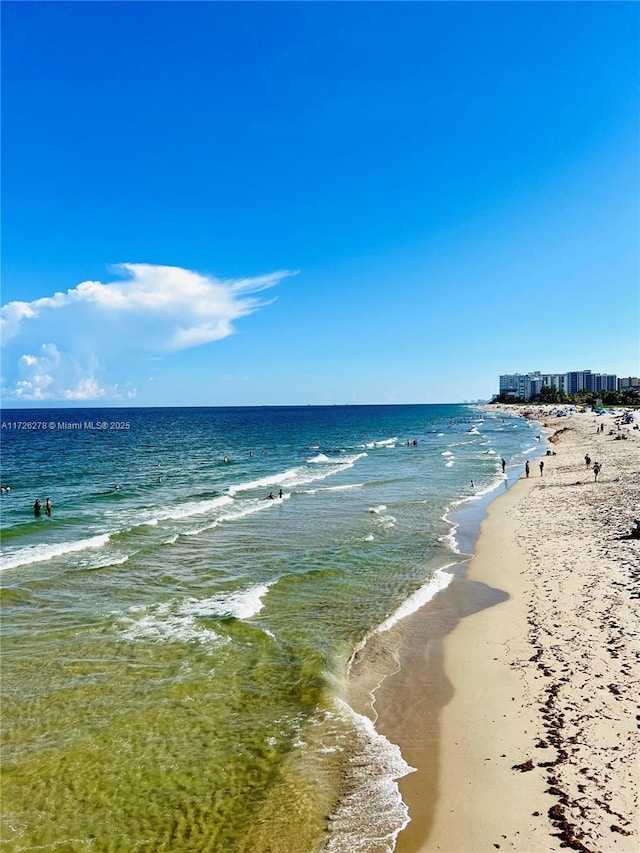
177 619
41 553
372 810
344 488
440 580
437 582
301 475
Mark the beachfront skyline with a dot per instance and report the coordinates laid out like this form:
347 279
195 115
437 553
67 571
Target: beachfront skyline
291 203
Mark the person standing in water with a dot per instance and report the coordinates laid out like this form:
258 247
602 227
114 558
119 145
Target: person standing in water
37 507
526 467
48 506
504 465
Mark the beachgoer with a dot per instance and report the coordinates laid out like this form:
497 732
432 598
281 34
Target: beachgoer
587 460
225 459
526 467
280 493
37 507
270 496
596 470
48 506
504 465
541 467
472 485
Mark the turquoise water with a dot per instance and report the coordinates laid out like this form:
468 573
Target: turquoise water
175 651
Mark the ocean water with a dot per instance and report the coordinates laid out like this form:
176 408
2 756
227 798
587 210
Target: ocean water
176 651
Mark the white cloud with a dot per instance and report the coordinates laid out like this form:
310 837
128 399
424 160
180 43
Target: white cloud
158 308
170 308
53 375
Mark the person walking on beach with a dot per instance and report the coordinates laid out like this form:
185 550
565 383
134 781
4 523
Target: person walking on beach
587 460
526 467
541 467
596 470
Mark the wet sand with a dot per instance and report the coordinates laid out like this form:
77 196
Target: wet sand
516 691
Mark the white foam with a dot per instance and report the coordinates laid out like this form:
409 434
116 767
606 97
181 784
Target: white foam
385 442
249 507
41 553
385 521
343 488
175 513
323 467
491 487
106 562
446 453
440 580
321 457
376 510
177 620
450 539
371 812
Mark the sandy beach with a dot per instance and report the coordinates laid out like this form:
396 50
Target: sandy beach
519 708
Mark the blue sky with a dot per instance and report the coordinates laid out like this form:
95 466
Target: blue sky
290 203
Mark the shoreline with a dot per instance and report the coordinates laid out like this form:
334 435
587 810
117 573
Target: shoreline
514 694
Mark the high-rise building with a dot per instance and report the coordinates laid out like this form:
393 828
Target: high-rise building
524 386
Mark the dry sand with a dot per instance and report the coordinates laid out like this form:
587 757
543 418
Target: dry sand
527 739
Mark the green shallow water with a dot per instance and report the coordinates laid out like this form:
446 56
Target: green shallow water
108 744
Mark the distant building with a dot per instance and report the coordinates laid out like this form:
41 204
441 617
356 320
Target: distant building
524 386
629 383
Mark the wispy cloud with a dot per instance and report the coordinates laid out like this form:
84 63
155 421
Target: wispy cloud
65 337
